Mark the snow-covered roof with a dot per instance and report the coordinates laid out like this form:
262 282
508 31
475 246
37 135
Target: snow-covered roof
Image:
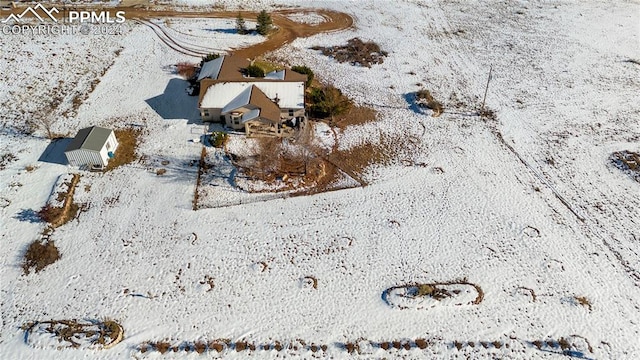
275 75
211 69
241 100
290 94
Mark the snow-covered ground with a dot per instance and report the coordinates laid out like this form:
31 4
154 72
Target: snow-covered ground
525 206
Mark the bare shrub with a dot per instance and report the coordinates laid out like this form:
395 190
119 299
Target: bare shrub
351 347
627 161
186 70
426 100
564 343
162 346
5 159
582 300
39 255
44 120
312 281
355 52
161 171
50 214
240 346
273 161
202 168
217 346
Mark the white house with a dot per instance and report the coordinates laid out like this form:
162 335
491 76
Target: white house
92 146
260 108
272 105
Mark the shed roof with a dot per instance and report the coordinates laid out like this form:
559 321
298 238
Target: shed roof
91 138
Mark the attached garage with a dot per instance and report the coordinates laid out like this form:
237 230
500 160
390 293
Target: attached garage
92 146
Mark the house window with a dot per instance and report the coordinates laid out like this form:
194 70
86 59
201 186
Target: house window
290 112
235 117
108 146
206 113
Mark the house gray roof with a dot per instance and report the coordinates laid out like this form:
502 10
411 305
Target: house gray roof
211 69
91 138
275 75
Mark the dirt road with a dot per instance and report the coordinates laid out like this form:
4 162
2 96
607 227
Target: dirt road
288 30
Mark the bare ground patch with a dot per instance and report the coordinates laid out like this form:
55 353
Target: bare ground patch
356 115
59 215
128 139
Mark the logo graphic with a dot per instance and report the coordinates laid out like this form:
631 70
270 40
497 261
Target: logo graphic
33 10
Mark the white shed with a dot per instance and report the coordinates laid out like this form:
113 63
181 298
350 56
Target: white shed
92 146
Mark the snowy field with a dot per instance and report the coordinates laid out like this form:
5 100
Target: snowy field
525 206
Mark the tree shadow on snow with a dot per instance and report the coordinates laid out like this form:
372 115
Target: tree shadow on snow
54 153
410 98
224 31
28 215
174 103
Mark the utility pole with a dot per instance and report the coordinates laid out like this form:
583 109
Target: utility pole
486 90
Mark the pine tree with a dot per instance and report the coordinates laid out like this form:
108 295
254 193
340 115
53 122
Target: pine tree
241 27
264 23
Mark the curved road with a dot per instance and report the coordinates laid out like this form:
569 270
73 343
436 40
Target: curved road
288 30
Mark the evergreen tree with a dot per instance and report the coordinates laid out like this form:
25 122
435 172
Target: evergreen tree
328 101
254 71
302 69
209 57
264 23
241 27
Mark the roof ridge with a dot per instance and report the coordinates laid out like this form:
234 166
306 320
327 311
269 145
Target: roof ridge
93 127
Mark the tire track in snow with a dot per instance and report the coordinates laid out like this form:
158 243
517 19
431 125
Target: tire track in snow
201 50
462 66
632 272
168 40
